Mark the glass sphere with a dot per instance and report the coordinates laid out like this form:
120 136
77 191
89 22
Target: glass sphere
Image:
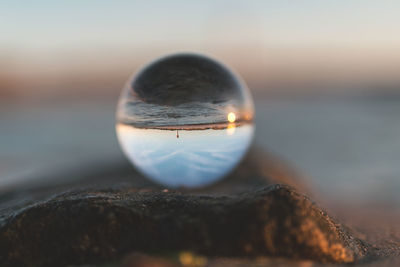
185 120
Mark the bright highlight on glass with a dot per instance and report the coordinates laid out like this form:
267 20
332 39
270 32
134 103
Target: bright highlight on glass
231 117
172 120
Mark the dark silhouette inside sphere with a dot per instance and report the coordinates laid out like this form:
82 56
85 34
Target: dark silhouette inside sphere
186 78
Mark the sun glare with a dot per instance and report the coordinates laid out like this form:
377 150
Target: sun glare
231 117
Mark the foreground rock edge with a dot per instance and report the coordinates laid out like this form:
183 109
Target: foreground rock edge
92 226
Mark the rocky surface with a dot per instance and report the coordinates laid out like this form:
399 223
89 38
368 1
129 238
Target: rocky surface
255 213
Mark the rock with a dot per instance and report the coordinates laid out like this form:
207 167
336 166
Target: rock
93 226
111 213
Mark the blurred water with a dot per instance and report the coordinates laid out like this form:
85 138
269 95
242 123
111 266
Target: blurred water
38 140
350 148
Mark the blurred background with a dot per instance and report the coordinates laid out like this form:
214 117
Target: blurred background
324 75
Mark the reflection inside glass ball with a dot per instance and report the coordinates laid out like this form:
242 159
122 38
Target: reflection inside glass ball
185 120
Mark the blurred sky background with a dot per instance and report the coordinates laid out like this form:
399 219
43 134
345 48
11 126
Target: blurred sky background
63 64
61 48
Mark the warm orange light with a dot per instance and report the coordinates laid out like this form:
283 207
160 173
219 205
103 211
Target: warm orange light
231 117
230 130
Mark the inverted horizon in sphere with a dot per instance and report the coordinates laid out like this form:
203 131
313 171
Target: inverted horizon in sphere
208 106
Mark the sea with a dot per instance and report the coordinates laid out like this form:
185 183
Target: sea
348 148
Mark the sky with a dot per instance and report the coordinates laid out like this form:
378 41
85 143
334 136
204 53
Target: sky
290 40
56 24
201 156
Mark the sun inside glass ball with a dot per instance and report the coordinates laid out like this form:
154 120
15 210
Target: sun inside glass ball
185 120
